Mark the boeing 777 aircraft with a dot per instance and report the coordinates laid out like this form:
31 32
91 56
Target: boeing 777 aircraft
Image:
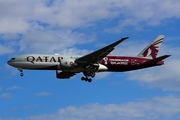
90 64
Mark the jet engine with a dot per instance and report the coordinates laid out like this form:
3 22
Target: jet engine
102 68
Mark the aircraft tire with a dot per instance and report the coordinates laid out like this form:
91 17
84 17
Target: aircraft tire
82 78
86 79
21 74
90 80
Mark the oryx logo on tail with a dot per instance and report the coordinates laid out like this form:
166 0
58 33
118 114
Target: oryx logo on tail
152 49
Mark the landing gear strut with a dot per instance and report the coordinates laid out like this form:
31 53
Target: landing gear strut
87 75
21 72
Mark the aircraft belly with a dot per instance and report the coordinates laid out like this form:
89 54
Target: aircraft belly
124 68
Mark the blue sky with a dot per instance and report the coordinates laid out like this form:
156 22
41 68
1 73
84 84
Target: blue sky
80 27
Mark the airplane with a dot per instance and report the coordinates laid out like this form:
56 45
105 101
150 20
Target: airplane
67 66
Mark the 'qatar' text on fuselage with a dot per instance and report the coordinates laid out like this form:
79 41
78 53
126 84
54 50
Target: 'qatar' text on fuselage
33 59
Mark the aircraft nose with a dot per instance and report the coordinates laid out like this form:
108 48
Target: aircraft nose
9 62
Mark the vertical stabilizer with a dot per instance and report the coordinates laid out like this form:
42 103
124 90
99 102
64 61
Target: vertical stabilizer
152 49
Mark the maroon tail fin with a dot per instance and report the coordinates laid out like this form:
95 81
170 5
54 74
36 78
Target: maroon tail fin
152 49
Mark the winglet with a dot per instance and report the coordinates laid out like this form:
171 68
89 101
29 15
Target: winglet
117 42
124 38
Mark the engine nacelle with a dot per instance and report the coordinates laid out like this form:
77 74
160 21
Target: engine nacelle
66 64
96 67
102 68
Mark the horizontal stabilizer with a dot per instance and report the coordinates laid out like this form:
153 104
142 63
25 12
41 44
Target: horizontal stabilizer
153 61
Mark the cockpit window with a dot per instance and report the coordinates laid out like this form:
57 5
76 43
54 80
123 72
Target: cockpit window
13 59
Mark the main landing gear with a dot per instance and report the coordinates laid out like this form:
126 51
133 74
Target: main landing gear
88 74
21 72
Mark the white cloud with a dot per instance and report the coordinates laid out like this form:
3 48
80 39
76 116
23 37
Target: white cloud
65 14
102 75
49 26
5 50
43 94
74 51
129 48
156 108
165 77
14 88
9 36
13 26
5 96
79 14
145 13
51 41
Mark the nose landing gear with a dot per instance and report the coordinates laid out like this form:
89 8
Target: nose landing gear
21 72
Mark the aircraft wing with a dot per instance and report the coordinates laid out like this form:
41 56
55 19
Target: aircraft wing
99 54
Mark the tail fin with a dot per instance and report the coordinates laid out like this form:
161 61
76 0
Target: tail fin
152 49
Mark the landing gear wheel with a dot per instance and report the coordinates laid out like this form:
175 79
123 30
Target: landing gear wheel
83 78
86 79
88 74
89 80
21 74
